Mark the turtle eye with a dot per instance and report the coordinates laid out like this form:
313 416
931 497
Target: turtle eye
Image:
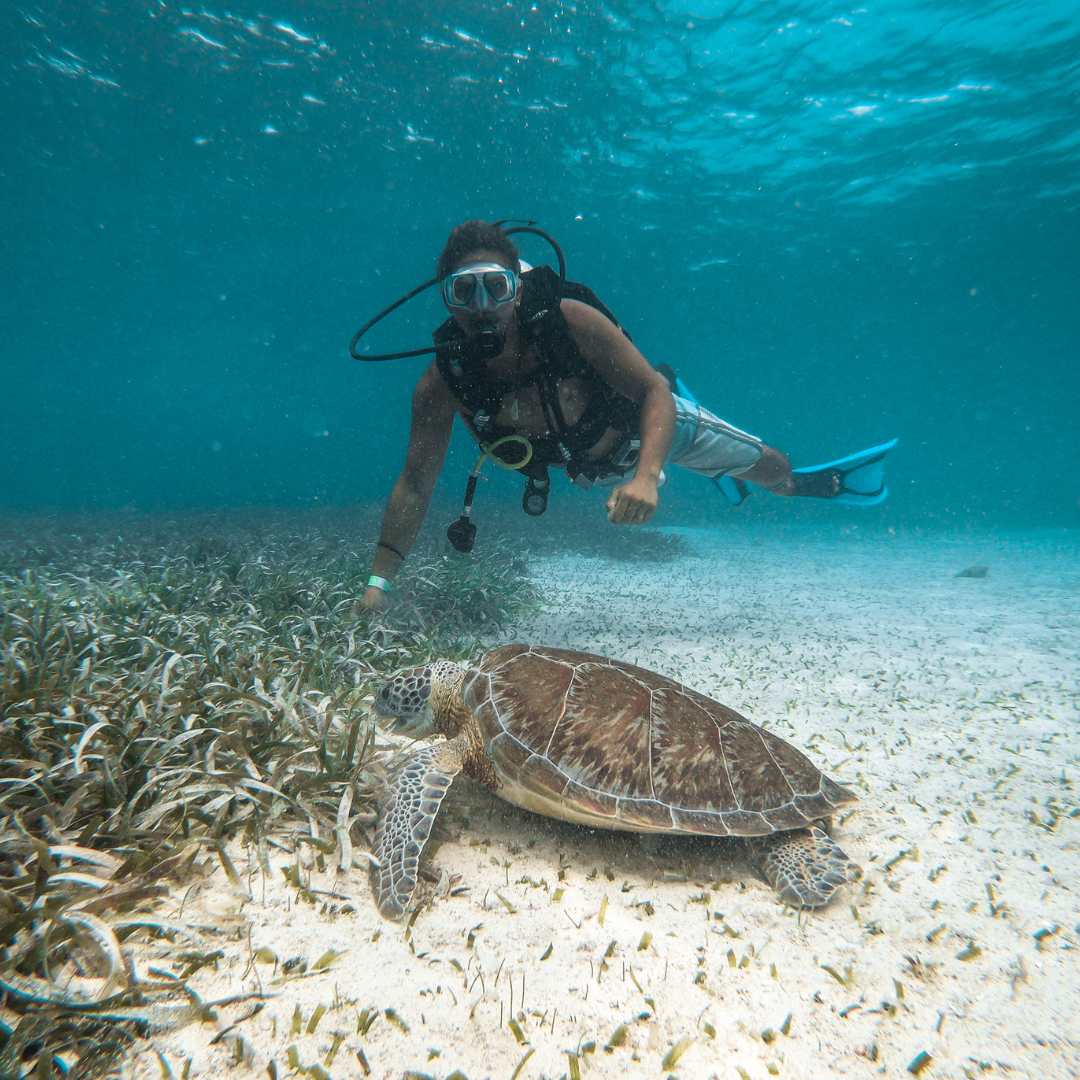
384 693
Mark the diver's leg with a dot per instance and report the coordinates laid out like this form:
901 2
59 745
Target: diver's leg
773 473
705 444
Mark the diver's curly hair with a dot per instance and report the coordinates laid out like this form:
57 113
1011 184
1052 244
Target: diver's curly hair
476 235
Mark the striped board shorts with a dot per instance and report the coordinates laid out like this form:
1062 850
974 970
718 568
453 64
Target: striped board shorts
703 443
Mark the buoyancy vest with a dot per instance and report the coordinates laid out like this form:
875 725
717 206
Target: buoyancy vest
542 325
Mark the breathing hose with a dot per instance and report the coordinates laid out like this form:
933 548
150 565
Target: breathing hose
462 533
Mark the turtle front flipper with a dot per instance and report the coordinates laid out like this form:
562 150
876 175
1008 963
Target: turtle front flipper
805 867
405 824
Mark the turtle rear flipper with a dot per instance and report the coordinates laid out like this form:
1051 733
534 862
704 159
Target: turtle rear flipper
805 867
405 824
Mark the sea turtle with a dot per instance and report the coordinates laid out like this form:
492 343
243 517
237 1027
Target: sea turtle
602 743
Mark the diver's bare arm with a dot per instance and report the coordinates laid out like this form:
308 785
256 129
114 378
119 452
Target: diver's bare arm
433 412
622 366
657 429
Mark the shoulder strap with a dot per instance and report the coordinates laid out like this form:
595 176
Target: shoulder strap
543 324
576 291
542 292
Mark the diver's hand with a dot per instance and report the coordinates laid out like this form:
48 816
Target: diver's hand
634 502
375 599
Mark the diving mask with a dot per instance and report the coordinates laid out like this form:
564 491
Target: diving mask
481 286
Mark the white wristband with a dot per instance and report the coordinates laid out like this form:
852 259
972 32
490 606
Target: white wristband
378 583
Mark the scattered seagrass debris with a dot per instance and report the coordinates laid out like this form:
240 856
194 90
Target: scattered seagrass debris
166 686
71 991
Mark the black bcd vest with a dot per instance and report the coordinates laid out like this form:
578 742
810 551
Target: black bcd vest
542 325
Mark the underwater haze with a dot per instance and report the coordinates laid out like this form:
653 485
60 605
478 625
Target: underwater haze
839 224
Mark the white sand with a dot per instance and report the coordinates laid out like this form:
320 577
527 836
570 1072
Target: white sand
952 705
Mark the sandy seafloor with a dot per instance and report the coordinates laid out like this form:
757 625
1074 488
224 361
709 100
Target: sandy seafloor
951 704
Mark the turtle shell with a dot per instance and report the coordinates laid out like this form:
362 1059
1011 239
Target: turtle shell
601 742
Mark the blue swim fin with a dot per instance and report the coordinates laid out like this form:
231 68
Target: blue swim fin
733 489
680 389
861 476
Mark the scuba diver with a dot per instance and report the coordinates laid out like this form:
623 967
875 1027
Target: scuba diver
542 375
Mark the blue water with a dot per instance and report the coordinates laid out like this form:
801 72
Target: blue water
839 224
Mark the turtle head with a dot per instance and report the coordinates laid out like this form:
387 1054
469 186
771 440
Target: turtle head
417 698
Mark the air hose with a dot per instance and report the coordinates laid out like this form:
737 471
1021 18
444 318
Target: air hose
462 533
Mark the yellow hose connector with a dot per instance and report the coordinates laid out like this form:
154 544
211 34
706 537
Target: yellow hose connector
488 453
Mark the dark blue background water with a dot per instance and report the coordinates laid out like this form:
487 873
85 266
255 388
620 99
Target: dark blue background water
840 225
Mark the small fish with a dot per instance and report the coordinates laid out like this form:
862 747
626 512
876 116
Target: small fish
974 571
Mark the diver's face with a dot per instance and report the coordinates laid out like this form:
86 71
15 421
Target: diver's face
483 308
